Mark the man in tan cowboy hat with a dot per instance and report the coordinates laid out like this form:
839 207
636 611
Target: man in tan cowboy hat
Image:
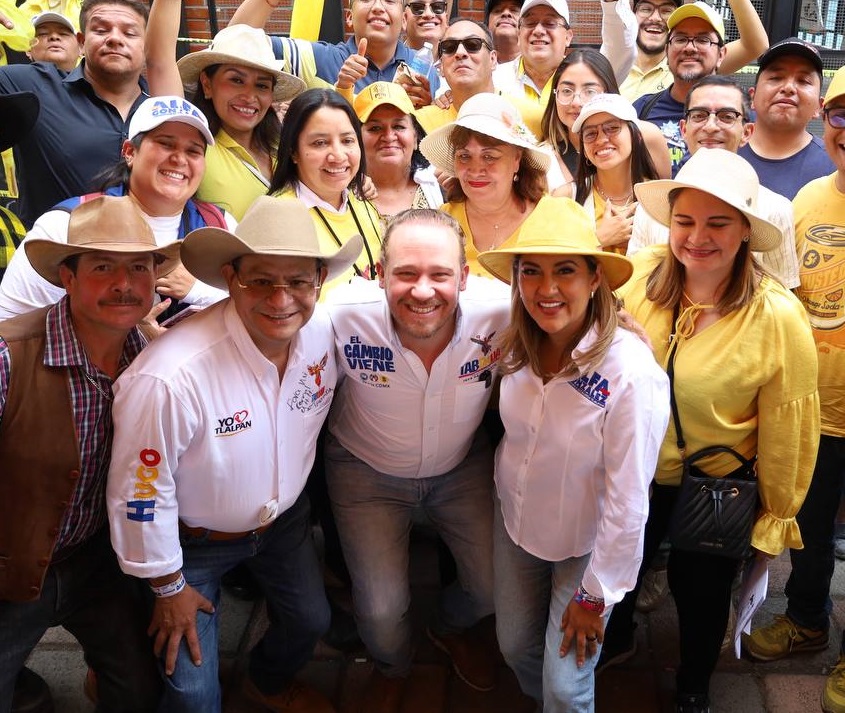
59 567
217 424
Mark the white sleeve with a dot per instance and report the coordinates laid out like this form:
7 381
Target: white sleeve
23 289
646 231
619 36
152 430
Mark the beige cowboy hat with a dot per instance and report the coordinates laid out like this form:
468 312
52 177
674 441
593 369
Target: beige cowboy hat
271 226
245 46
722 174
557 226
105 224
491 115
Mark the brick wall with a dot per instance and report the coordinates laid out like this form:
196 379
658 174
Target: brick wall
586 17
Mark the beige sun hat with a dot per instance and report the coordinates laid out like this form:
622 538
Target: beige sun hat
491 115
271 226
722 174
105 224
557 226
246 46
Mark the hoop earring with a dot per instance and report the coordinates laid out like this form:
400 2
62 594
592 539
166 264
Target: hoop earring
746 238
515 177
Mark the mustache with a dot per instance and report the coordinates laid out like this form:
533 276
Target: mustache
122 301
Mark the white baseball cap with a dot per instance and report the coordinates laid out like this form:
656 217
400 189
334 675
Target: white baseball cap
156 111
43 17
559 6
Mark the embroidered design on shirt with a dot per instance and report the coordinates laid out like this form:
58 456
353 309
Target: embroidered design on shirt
230 425
366 357
317 369
481 368
378 380
145 492
311 394
593 387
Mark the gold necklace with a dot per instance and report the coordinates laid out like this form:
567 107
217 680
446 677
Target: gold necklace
612 199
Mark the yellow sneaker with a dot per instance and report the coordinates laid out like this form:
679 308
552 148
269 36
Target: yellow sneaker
782 638
833 698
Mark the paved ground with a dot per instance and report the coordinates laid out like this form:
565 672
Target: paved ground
643 685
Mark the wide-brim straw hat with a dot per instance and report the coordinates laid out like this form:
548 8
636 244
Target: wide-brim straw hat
493 116
271 226
104 224
724 175
557 226
247 47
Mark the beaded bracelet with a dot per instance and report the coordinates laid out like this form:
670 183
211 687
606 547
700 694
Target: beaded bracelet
587 601
171 588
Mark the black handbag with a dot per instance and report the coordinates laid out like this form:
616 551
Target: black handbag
711 515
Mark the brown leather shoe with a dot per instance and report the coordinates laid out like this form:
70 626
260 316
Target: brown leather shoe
471 659
296 698
382 694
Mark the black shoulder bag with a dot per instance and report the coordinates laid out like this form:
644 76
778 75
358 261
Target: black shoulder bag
711 515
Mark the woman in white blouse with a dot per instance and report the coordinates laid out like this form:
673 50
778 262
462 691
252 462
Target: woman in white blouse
585 408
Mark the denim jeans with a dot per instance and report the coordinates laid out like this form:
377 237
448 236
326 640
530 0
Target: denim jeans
374 515
284 562
531 595
88 595
808 586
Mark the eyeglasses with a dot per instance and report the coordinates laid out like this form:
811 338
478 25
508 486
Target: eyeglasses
386 3
835 117
418 8
608 128
725 117
264 289
472 45
646 9
701 42
547 25
566 95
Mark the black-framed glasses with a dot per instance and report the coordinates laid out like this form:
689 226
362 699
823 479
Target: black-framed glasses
263 288
566 95
702 43
725 117
548 25
646 9
472 45
418 8
608 128
835 117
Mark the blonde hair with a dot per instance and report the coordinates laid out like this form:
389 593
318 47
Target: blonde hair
520 341
665 284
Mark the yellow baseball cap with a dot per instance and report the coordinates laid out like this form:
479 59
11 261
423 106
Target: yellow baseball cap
837 86
698 9
379 93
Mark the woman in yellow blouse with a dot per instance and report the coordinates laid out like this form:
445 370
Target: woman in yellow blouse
745 377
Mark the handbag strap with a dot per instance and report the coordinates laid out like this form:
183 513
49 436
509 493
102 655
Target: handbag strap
670 372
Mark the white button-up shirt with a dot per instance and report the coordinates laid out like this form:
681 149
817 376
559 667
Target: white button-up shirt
574 468
206 434
391 413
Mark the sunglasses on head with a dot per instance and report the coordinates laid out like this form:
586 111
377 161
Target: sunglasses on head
472 45
418 8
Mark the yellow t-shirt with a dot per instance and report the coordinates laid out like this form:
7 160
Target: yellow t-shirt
819 210
748 381
639 83
432 117
334 229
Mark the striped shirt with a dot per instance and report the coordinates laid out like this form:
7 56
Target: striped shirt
91 401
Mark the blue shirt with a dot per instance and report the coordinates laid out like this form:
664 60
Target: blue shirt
666 113
77 135
789 175
329 59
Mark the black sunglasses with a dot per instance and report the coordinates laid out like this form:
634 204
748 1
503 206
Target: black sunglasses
418 8
472 45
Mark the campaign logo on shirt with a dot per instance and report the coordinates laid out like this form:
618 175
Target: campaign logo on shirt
593 387
311 393
365 357
230 425
380 381
481 368
142 507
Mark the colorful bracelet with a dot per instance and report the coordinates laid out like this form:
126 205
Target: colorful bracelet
171 588
587 601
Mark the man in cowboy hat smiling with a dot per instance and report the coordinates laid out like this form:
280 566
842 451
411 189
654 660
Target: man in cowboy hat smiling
59 568
217 425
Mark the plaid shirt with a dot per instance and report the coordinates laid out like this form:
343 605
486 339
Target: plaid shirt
91 400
